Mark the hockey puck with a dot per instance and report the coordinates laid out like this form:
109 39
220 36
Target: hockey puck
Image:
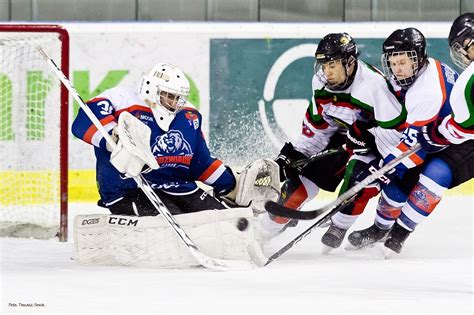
242 224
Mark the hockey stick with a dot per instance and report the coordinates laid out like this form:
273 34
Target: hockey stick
279 210
340 203
299 164
204 260
306 232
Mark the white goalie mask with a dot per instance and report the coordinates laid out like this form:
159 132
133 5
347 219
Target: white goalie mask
166 89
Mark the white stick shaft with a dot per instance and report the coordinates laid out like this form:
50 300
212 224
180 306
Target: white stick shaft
369 179
78 98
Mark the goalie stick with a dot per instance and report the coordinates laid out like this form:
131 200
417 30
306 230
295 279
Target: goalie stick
204 260
340 203
279 210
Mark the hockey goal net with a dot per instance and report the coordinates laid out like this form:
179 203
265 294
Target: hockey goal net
33 132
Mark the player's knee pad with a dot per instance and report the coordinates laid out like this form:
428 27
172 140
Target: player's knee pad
439 171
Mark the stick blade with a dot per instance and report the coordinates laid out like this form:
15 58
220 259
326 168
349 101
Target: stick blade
282 211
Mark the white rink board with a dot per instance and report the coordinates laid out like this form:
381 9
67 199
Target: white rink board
433 274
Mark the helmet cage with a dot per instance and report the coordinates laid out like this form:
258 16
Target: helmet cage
459 54
160 92
171 99
346 63
415 62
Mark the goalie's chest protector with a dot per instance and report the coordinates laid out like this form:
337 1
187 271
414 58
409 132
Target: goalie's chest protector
181 152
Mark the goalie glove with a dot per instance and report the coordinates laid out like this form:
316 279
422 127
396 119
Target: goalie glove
257 183
132 151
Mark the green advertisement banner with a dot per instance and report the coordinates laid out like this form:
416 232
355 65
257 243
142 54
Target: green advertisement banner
259 91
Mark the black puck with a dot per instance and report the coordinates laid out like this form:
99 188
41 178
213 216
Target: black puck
242 224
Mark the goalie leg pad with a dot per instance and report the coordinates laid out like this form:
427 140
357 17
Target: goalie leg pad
149 242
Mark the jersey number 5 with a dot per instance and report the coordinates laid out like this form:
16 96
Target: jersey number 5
410 136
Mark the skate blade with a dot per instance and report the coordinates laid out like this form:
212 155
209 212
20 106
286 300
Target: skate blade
388 253
326 250
351 247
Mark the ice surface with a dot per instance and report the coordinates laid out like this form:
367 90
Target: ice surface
433 274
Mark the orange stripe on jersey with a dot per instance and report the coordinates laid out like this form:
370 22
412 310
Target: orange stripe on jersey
93 129
441 81
442 85
210 170
414 157
133 108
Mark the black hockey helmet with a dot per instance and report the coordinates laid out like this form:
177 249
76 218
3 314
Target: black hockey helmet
409 41
332 47
462 29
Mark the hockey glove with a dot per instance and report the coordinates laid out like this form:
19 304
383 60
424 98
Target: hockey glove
431 139
372 167
358 139
287 155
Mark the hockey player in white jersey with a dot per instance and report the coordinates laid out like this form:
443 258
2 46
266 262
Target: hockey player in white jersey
349 97
458 127
427 85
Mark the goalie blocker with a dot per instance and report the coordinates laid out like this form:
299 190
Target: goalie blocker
231 234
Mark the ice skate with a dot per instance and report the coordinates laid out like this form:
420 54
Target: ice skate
369 236
332 238
396 238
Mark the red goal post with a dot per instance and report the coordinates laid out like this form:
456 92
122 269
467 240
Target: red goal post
33 132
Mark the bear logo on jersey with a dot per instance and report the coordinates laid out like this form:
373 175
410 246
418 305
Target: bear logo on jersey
173 143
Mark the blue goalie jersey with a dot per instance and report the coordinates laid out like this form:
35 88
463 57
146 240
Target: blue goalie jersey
182 152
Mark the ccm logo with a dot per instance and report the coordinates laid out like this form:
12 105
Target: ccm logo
90 221
123 221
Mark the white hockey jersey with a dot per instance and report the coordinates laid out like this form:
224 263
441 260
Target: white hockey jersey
330 111
426 100
459 126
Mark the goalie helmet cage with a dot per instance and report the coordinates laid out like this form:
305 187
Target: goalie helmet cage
33 132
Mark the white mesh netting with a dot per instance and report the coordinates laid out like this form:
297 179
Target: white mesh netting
29 135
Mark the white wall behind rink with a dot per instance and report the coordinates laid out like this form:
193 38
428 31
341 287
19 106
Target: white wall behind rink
136 47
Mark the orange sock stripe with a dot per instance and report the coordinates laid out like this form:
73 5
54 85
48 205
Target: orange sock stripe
427 203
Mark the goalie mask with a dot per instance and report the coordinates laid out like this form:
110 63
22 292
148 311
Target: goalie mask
165 88
404 55
336 61
461 40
